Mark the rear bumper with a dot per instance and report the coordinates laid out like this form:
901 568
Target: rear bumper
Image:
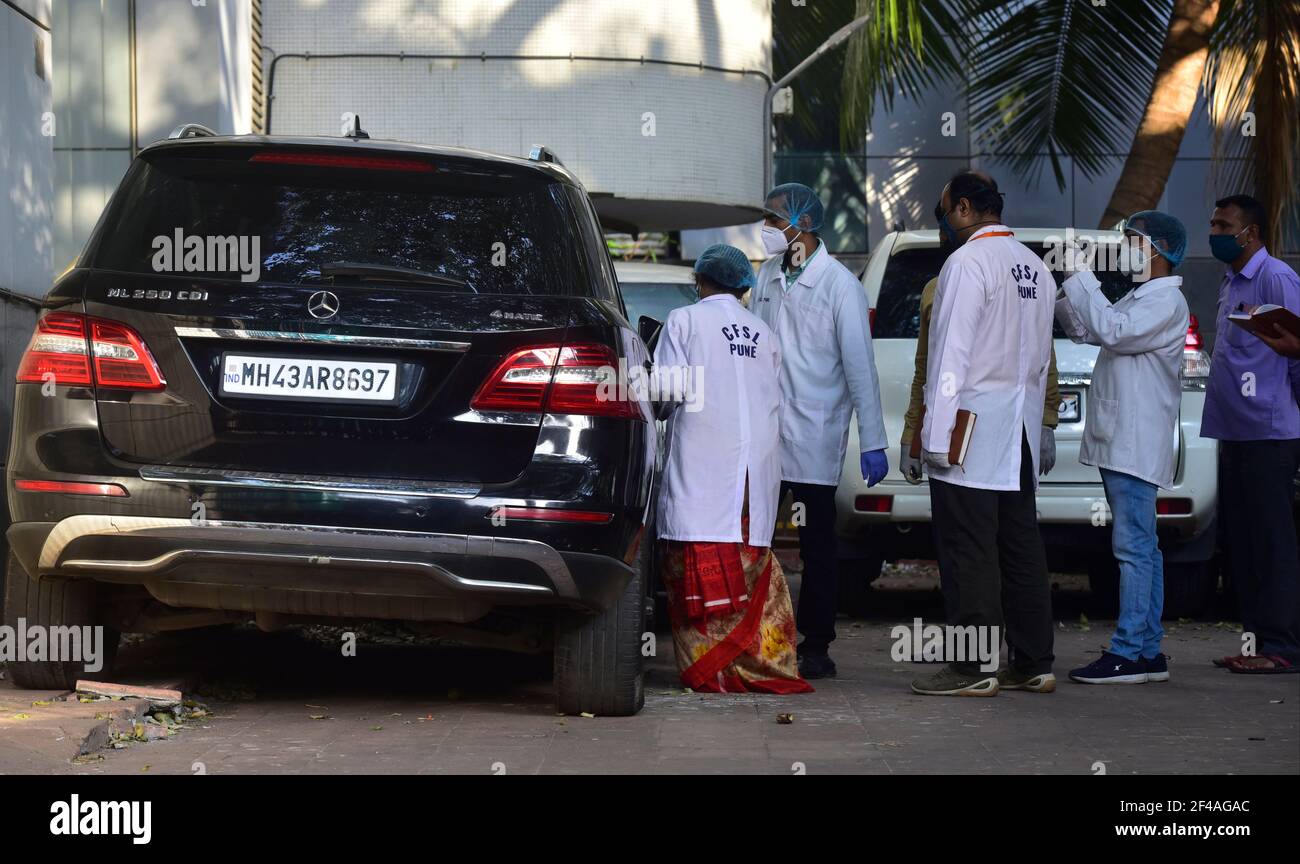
318 570
1072 518
1082 505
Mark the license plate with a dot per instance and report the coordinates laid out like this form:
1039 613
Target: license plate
308 378
1068 410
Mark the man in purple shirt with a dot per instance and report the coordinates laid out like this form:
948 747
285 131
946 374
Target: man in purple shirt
1251 407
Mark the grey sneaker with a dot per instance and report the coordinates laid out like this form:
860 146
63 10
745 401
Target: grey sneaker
949 682
1010 679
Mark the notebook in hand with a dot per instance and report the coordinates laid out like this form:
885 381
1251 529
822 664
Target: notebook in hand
1284 318
958 446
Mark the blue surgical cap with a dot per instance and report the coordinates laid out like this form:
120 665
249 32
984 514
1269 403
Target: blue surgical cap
726 266
1166 233
797 204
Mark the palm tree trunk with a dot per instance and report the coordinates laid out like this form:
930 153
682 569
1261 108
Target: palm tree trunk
1276 149
1164 121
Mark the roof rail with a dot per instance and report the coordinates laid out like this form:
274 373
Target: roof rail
192 130
544 154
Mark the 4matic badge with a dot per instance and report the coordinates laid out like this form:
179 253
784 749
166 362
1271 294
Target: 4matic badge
515 316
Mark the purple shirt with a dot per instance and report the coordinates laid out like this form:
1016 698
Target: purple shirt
1233 410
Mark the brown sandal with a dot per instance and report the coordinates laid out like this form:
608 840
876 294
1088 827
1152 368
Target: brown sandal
1278 665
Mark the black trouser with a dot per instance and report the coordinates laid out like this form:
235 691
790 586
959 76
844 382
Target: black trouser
819 586
947 585
994 554
1256 497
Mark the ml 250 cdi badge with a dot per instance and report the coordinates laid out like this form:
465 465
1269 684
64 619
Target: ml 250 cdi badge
311 379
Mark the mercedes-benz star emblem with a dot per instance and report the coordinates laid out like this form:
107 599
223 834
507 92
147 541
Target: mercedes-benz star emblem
323 304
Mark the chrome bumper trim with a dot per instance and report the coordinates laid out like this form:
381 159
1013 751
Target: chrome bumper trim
307 483
163 562
390 342
198 542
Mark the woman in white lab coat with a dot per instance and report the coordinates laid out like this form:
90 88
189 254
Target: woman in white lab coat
733 623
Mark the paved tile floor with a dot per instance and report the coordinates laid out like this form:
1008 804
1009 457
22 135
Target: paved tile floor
431 709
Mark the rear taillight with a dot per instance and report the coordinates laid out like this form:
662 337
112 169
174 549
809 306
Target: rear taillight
568 379
1193 342
113 356
57 352
553 514
871 320
111 490
519 383
873 503
1173 506
1196 362
122 359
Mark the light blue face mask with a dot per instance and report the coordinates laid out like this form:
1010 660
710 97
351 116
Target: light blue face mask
1133 259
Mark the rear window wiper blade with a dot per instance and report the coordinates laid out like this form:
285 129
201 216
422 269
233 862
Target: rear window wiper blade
387 273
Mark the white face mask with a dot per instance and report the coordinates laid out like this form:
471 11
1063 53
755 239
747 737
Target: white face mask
1133 259
774 242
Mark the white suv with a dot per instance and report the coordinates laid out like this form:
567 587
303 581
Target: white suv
891 520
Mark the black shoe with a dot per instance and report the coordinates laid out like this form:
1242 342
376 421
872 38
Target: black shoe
816 666
1111 669
1157 667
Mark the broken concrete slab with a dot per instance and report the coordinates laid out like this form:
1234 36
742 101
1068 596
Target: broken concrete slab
157 697
41 726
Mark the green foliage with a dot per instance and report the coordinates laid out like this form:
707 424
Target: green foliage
907 47
1062 78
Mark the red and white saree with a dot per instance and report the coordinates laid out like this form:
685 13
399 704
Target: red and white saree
733 623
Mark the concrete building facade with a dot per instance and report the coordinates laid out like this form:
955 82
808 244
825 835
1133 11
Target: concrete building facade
658 107
27 128
130 71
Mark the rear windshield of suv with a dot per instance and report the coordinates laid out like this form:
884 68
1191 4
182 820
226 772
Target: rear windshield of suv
495 228
655 299
898 308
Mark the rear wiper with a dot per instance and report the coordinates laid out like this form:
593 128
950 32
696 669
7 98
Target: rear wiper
386 273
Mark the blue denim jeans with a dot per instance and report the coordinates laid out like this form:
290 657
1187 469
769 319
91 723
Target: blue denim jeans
1141 566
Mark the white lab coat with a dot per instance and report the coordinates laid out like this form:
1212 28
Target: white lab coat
828 370
1135 395
733 434
990 348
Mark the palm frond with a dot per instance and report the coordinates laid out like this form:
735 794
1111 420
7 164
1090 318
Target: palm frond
908 45
1055 78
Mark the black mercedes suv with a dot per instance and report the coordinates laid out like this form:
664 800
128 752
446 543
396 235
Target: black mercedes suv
335 379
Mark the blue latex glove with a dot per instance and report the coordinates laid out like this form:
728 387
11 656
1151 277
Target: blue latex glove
874 466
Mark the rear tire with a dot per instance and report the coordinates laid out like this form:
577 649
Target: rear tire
598 663
53 603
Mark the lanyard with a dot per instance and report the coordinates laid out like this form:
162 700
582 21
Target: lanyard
995 234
